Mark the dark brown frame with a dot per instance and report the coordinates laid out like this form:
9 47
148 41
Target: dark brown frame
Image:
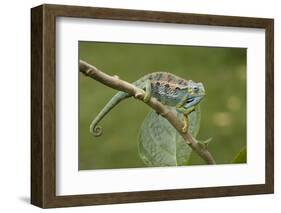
43 105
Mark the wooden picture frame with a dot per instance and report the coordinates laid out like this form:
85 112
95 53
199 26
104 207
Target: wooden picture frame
43 105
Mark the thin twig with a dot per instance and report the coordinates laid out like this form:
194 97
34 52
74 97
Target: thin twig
121 85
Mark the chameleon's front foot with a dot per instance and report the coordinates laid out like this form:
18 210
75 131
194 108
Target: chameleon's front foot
185 117
185 123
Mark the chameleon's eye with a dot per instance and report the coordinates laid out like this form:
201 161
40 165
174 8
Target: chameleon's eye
195 88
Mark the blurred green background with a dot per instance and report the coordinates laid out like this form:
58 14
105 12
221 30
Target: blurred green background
222 71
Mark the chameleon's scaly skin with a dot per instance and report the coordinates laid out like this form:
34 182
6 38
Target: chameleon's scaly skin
167 88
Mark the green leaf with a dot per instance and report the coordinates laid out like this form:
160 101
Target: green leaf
241 157
161 145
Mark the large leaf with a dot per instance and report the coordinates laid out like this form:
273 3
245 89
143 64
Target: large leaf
161 145
241 157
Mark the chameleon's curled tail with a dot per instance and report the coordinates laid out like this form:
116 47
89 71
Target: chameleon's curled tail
94 128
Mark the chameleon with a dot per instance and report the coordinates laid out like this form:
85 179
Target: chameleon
167 88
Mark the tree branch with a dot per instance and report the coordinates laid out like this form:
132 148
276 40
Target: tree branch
121 85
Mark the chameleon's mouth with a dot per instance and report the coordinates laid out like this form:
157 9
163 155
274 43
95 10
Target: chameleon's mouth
189 100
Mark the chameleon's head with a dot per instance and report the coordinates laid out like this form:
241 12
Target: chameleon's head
195 92
195 89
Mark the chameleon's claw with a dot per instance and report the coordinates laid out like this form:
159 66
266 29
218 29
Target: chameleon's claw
184 129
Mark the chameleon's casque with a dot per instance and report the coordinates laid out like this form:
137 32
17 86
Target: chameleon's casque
167 88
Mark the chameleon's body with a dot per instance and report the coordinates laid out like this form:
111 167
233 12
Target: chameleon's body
167 88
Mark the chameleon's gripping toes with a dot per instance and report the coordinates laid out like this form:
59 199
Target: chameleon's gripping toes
167 88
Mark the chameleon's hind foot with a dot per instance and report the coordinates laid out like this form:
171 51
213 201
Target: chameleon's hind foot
147 94
146 97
